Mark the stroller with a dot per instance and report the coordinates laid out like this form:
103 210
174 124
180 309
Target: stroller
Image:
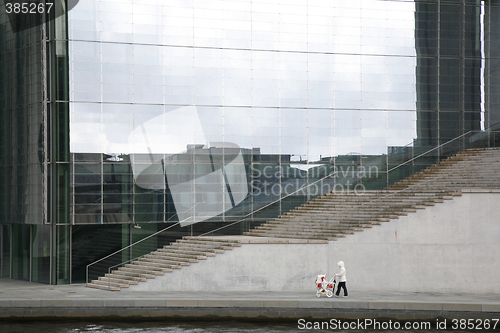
324 286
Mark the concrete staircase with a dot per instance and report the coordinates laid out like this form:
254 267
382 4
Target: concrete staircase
183 252
336 215
330 216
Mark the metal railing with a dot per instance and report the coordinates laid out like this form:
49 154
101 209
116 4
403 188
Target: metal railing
430 150
468 140
133 244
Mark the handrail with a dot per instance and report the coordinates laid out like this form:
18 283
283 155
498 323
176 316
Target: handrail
130 260
112 254
140 240
488 130
428 151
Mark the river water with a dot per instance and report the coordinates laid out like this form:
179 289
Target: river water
171 327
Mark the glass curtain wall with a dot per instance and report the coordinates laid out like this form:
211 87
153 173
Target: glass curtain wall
204 112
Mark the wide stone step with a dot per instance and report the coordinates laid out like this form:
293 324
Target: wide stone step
307 234
148 268
166 259
134 273
392 197
124 276
98 286
209 241
191 247
322 224
317 230
338 200
362 212
199 245
285 235
121 281
325 223
341 216
195 253
188 257
110 283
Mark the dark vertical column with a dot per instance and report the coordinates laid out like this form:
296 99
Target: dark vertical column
61 273
447 40
426 44
492 63
6 250
41 253
21 258
58 134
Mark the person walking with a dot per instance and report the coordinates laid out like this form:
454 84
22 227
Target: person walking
342 280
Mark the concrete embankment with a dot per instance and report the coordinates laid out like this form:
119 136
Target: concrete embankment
37 301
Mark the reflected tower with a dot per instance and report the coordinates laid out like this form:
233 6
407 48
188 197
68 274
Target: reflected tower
448 74
492 64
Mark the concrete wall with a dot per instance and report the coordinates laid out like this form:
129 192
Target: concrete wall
451 247
251 267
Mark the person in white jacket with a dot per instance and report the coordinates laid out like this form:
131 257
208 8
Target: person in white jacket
341 279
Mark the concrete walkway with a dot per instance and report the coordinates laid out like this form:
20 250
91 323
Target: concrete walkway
19 299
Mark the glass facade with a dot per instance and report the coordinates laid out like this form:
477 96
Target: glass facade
219 115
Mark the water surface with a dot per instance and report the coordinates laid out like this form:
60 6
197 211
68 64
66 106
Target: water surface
167 327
